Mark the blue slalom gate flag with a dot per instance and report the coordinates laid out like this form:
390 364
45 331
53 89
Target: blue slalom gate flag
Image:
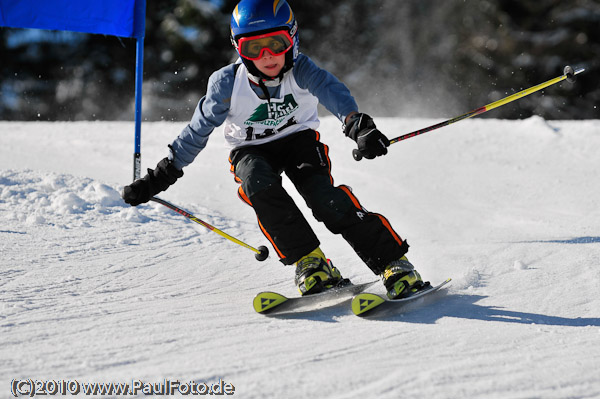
124 18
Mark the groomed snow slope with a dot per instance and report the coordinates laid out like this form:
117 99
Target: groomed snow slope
96 291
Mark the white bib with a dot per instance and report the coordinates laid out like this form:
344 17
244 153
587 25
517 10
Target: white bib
253 121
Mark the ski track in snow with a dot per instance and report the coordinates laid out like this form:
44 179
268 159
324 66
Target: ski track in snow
94 290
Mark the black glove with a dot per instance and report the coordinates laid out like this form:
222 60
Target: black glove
157 180
371 142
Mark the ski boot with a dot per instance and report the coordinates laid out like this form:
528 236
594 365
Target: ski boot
401 279
315 273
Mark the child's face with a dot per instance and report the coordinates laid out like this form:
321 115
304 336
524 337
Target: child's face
270 64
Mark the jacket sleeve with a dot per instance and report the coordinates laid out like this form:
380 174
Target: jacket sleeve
331 92
210 113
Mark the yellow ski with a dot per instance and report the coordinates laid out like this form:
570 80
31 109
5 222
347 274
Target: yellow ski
269 302
368 304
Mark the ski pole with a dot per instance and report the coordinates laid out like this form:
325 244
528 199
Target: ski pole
569 75
261 253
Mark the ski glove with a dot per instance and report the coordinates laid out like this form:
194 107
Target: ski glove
157 180
371 142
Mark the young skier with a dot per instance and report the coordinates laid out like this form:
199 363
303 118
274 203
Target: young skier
268 103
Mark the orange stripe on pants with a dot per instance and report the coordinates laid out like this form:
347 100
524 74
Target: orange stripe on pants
384 221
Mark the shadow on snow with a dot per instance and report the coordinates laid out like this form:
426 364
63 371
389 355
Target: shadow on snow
441 305
575 240
465 307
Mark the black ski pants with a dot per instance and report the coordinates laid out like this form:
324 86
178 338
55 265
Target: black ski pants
304 159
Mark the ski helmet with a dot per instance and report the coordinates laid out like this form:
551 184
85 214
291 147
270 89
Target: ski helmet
258 17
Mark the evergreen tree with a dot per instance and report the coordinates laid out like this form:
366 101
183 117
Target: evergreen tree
411 58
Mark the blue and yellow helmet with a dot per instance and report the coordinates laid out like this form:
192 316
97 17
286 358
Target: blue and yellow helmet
255 17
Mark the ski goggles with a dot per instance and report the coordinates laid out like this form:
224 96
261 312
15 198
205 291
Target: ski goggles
253 47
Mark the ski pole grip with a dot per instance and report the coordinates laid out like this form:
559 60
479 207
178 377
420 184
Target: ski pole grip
357 155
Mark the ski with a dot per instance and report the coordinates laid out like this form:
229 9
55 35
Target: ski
269 302
368 304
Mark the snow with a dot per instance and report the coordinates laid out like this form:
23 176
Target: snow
96 291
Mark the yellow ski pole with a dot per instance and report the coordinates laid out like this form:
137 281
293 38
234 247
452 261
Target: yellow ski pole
569 75
262 252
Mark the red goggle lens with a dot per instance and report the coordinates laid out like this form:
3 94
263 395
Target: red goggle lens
253 47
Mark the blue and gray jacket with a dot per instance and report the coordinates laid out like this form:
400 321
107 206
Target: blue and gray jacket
213 108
